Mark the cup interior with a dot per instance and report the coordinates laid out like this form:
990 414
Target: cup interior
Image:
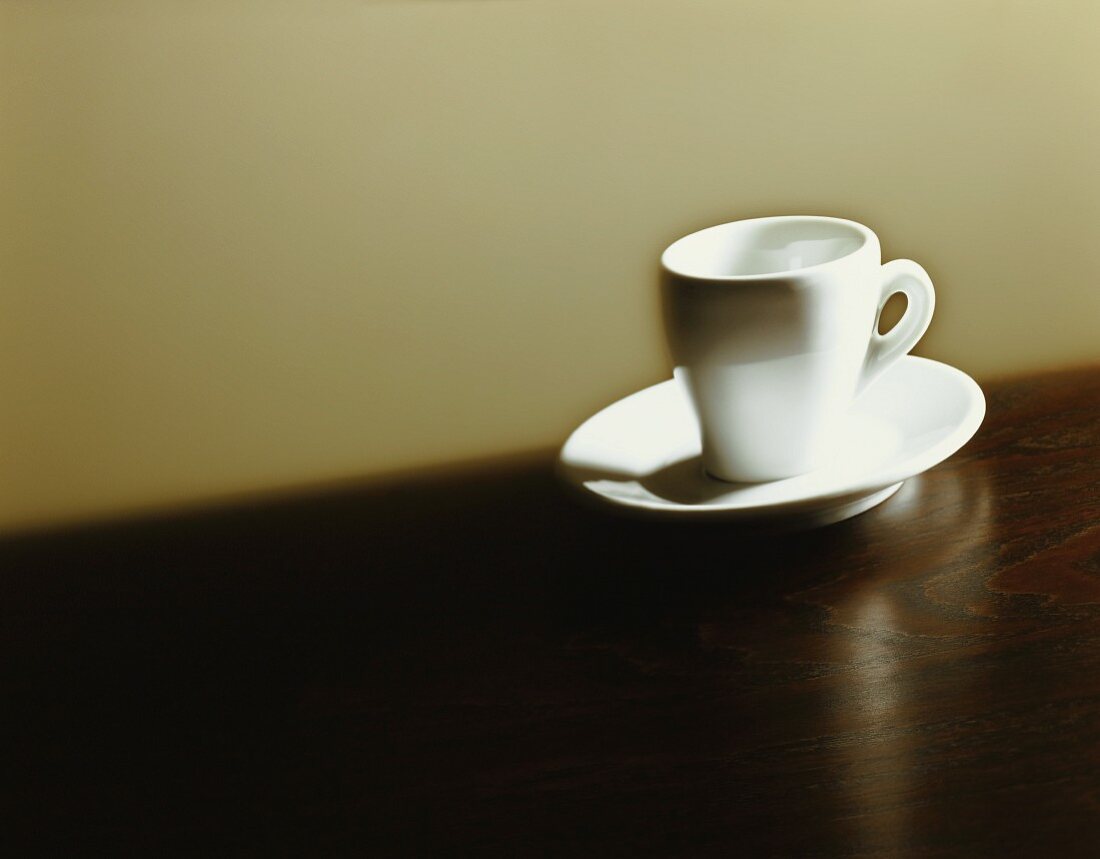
764 246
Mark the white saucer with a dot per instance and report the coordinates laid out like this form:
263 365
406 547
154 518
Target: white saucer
643 452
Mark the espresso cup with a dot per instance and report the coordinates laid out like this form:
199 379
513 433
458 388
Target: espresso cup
772 324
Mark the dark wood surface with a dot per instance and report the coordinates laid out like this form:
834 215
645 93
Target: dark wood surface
474 664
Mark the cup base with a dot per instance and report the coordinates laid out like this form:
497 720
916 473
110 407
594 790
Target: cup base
757 478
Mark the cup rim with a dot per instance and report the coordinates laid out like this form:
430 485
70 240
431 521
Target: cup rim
866 234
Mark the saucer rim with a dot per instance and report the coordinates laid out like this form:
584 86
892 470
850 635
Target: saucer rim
894 473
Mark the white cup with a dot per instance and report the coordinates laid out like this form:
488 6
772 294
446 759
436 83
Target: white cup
773 328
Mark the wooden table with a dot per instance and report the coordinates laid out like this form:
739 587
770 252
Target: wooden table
474 664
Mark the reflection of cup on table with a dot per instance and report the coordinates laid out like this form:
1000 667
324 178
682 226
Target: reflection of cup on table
773 329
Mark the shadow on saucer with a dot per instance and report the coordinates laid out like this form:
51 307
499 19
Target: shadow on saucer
683 482
687 482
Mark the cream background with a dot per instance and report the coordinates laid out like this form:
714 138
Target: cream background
250 245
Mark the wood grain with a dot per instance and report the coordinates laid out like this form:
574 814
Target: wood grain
475 664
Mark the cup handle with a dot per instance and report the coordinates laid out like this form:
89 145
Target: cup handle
900 275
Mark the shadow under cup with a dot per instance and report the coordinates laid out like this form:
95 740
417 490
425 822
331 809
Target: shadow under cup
771 324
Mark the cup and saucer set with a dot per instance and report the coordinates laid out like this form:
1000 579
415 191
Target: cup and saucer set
786 406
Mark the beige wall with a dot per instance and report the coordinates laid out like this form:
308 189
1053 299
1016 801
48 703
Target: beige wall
260 244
